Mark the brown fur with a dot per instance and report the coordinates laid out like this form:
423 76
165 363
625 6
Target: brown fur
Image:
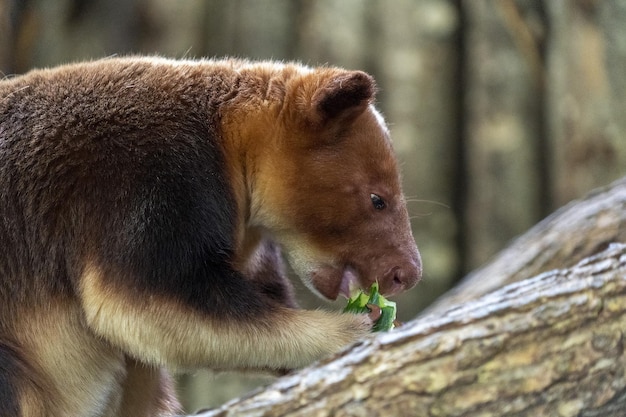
145 207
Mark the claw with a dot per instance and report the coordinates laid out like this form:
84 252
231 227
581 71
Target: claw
397 323
375 312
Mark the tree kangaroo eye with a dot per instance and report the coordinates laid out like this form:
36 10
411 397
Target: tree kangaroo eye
378 202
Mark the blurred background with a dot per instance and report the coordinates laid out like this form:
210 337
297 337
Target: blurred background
501 110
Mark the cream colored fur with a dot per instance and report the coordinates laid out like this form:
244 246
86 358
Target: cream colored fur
154 329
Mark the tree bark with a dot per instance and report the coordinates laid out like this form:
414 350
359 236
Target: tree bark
547 346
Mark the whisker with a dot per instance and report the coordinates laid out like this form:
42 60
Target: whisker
420 215
437 203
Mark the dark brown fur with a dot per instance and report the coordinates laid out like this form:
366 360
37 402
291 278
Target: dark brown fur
144 206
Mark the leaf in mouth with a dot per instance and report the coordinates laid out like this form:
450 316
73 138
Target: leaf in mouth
359 302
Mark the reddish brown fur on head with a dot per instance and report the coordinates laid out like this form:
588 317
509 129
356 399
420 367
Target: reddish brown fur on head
317 190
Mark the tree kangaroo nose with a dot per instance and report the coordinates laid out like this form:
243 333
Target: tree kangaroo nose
402 276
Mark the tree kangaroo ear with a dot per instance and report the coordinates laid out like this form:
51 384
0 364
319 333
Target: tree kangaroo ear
343 96
324 102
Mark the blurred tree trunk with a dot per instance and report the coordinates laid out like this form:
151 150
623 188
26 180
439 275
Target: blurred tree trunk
587 94
550 345
18 28
543 111
6 41
504 146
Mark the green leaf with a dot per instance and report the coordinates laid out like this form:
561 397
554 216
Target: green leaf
357 304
